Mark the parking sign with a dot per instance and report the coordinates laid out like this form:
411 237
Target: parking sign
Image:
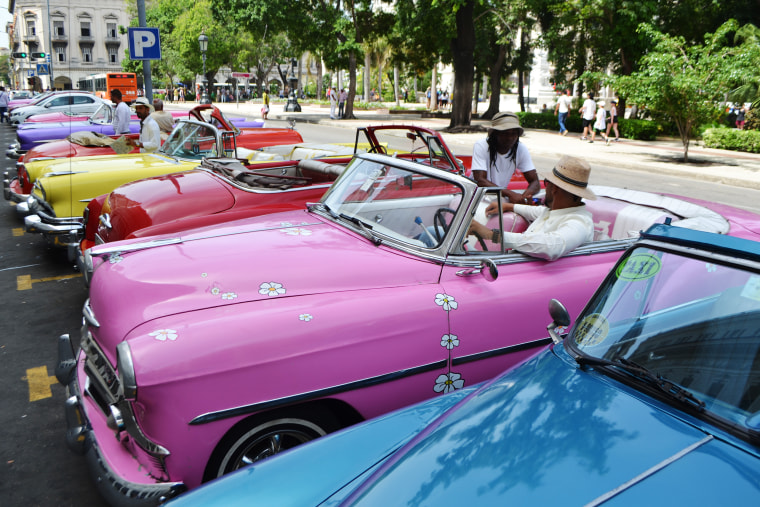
144 43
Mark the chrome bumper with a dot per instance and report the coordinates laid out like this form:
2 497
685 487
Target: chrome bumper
81 440
60 232
14 151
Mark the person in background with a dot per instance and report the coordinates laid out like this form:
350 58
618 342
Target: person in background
150 134
121 115
740 117
613 121
600 125
342 102
564 103
332 94
164 119
556 229
4 99
265 105
588 111
495 158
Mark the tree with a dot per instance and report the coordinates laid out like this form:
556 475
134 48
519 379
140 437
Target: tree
685 82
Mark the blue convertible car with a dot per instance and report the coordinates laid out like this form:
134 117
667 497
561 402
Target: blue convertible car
652 398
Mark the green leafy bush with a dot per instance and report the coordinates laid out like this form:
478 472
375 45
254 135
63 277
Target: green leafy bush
732 139
645 130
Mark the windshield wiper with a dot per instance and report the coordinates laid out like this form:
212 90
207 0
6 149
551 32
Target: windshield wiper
670 389
366 229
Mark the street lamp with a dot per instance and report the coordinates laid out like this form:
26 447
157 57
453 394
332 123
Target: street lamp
293 104
203 43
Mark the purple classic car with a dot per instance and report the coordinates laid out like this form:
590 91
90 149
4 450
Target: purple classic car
33 134
205 351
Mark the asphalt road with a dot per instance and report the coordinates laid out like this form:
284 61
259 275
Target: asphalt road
43 297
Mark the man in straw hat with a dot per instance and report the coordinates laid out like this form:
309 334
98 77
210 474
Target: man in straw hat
495 158
554 230
150 133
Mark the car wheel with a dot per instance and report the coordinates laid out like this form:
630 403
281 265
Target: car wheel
259 438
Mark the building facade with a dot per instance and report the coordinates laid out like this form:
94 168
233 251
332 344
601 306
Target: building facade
78 37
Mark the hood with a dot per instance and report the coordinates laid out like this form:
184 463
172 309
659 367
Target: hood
281 255
65 148
81 165
42 125
548 433
165 198
57 116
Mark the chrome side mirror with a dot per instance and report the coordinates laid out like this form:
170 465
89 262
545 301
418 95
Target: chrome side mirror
560 318
487 270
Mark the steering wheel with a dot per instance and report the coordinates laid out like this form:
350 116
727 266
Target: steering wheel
480 240
440 221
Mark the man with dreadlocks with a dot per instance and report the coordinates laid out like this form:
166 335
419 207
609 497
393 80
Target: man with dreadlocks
495 159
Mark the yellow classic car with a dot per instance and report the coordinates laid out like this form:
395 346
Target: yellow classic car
63 187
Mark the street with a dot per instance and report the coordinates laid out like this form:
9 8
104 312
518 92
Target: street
44 297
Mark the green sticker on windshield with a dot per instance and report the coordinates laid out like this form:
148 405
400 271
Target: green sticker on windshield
592 330
638 267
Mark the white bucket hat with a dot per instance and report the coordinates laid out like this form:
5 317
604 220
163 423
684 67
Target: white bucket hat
571 174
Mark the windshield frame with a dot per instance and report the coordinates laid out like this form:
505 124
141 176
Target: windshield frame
173 142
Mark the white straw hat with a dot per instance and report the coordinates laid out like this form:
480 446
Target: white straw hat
571 174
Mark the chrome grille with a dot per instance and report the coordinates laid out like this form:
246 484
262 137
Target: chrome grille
102 375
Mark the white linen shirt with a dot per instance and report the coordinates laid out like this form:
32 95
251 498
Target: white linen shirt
150 135
589 109
500 173
552 233
565 101
121 118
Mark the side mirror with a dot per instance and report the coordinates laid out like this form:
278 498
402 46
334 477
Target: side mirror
560 318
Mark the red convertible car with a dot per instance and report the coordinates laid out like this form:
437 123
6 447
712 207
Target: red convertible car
17 189
280 178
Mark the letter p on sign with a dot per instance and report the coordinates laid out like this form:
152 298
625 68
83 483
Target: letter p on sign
144 43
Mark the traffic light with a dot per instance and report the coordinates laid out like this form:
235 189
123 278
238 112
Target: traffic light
38 55
18 55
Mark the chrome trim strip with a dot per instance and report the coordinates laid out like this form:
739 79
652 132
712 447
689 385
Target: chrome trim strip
500 351
89 315
656 468
320 393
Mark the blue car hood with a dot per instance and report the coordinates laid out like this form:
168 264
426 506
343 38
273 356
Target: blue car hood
548 433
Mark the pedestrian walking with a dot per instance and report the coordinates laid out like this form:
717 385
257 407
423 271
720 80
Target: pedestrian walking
564 103
613 121
600 124
265 106
333 96
588 112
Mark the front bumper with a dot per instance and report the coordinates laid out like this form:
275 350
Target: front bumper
60 232
81 437
14 151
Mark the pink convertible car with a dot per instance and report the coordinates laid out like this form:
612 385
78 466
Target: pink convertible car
207 350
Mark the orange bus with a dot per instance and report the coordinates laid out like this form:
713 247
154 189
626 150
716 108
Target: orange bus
102 84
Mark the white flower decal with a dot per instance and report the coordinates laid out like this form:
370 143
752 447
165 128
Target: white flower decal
204 275
306 317
297 231
164 334
216 291
286 224
447 302
229 295
447 382
449 341
115 258
271 289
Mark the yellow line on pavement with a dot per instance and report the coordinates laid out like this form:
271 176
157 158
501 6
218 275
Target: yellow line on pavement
18 231
39 383
24 282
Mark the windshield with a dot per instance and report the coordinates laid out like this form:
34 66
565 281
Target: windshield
395 202
191 141
102 115
685 319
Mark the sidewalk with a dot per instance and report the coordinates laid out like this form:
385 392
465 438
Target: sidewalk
658 157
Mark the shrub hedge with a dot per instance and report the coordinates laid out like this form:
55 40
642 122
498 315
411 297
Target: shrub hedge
630 129
732 139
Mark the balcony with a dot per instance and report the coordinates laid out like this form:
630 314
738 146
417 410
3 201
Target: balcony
30 39
60 38
86 39
112 40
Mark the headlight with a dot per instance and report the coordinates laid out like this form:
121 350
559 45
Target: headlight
126 371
